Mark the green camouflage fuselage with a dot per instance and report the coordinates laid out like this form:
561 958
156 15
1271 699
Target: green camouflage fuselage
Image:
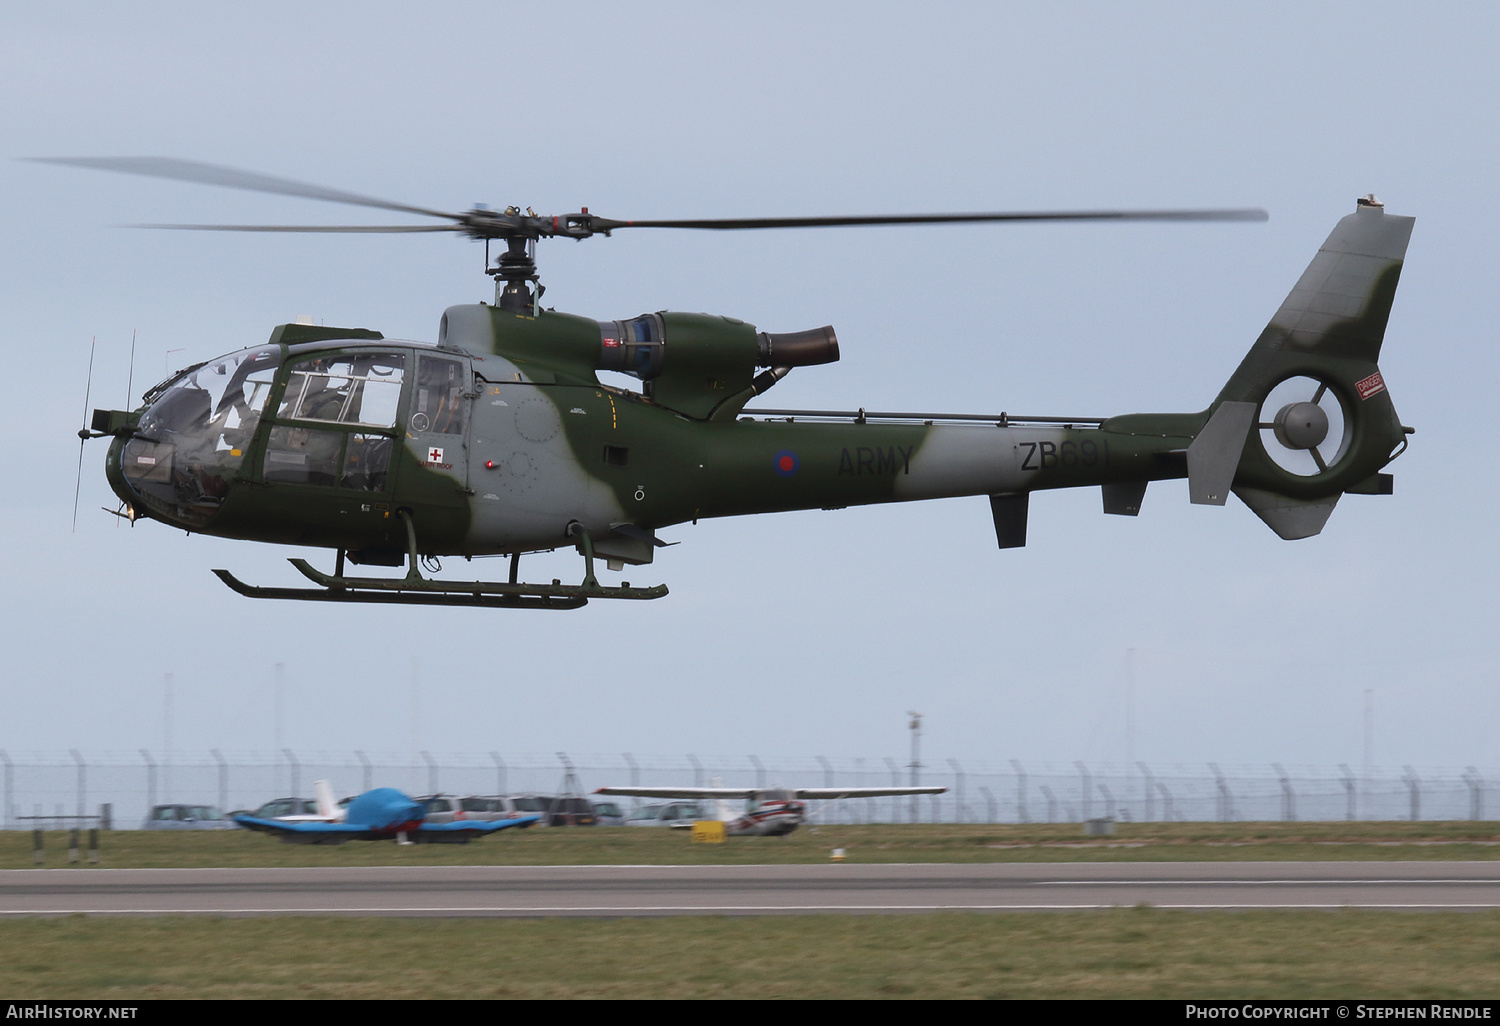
501 438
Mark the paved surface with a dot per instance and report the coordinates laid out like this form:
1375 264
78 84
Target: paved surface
749 890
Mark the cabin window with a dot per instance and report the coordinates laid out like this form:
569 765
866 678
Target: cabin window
346 388
367 462
299 455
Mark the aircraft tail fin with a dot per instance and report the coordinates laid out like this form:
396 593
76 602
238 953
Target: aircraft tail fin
323 794
1306 417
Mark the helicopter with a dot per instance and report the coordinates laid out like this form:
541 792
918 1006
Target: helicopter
499 438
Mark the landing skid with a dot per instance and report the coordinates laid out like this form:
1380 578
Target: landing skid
414 589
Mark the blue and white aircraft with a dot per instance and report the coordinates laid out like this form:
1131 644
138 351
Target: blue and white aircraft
380 815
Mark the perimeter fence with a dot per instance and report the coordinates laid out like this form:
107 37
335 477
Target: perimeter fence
116 789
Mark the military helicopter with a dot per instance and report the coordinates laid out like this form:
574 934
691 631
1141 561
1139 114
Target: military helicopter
499 438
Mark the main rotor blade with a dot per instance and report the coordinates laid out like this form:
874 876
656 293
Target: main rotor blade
305 227
1250 214
230 178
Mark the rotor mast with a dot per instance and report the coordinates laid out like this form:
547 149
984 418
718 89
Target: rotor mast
513 273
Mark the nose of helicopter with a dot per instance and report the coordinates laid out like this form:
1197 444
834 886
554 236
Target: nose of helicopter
179 460
116 478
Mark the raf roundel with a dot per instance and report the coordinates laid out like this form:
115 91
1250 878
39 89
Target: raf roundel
785 463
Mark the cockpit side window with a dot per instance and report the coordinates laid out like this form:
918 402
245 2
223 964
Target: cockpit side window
437 405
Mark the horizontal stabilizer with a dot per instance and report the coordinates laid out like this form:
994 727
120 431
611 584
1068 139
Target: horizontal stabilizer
1289 518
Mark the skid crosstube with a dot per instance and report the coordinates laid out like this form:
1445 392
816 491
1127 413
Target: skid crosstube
415 590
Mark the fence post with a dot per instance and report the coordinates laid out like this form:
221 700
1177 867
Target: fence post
989 801
223 779
150 781
1476 793
1288 797
697 770
82 785
863 806
499 772
760 772
10 793
1349 789
1166 802
1021 813
1109 800
432 772
1226 800
369 773
1414 785
1051 803
296 768
1087 805
958 779
895 782
838 811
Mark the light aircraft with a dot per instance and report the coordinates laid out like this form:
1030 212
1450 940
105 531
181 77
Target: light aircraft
379 815
769 811
500 437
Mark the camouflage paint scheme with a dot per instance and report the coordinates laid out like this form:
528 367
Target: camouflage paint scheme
545 446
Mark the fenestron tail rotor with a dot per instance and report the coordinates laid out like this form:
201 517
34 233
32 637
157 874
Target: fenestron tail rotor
516 268
1304 426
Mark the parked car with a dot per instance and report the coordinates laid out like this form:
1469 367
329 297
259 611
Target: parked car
284 808
576 811
188 817
445 808
609 814
667 814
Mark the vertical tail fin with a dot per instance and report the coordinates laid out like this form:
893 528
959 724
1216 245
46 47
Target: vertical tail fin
323 794
1307 409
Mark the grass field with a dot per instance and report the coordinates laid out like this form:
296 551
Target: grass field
1121 953
1139 842
1124 953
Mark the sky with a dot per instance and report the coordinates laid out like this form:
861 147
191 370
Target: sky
1187 635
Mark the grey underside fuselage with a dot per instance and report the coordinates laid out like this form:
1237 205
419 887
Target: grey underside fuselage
540 457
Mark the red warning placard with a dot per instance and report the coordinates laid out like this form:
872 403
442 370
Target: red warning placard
1373 385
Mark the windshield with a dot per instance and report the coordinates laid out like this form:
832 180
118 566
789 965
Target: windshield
192 438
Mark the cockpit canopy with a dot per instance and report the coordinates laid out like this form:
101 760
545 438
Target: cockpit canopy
192 437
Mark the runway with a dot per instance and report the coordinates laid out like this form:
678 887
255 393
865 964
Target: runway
750 890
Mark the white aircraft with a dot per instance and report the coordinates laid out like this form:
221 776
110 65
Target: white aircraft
769 812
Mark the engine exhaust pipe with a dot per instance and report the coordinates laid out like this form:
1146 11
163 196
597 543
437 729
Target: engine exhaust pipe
798 348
